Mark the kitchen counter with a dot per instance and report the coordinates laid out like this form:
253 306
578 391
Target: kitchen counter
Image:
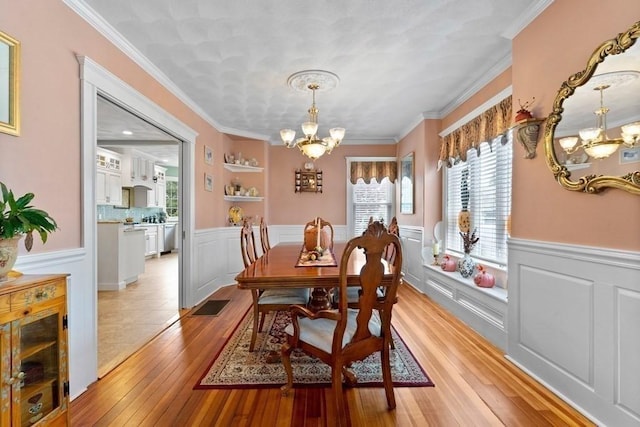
121 255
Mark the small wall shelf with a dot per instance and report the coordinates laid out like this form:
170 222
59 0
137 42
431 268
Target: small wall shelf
242 168
243 199
309 181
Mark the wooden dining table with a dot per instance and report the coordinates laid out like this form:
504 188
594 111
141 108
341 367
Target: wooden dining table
277 268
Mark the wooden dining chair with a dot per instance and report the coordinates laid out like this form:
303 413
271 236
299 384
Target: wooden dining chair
389 255
341 336
264 236
266 300
325 227
393 228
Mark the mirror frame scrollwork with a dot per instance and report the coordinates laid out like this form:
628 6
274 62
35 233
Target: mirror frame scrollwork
589 183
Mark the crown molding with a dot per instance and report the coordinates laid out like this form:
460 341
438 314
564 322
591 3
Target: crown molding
532 12
111 34
481 82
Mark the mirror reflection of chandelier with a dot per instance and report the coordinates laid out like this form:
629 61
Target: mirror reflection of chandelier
595 141
310 145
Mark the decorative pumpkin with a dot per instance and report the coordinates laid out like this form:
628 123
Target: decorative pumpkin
484 279
464 221
448 264
311 239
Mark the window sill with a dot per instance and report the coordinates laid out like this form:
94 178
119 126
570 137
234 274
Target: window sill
496 293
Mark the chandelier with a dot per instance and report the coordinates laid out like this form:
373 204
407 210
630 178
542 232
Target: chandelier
595 141
310 144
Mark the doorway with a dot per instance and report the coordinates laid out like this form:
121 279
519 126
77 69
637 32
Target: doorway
97 81
132 315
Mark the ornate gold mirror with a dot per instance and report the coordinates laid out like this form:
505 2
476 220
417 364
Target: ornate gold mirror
9 85
592 136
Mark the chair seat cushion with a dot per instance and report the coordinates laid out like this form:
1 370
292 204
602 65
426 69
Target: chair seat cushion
319 332
284 296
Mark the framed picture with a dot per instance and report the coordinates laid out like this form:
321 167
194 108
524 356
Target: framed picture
406 184
9 87
208 182
208 155
629 155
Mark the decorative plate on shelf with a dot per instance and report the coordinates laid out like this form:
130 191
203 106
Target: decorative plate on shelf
228 190
235 215
252 192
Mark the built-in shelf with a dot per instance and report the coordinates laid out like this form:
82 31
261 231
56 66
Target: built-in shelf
577 166
243 199
242 168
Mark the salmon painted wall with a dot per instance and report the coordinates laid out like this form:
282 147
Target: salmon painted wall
286 207
425 143
45 158
553 47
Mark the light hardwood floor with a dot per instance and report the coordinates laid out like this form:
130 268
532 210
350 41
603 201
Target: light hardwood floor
474 384
129 318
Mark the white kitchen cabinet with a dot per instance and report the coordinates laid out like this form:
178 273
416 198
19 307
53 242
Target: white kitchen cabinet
151 239
153 195
108 178
160 238
161 187
121 253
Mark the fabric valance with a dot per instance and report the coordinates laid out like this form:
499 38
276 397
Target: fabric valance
377 170
485 127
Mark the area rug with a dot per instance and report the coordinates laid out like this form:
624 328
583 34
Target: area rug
236 367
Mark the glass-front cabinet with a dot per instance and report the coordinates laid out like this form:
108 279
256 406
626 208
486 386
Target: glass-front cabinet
33 349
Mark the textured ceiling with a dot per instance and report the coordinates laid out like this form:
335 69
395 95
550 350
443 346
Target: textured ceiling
398 61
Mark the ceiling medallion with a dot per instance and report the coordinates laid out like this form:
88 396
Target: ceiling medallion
324 80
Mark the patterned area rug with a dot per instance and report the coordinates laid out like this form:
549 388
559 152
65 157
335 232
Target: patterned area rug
236 367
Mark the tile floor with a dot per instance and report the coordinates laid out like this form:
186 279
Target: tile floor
129 318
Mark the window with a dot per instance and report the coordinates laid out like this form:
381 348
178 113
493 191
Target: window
371 200
172 196
484 182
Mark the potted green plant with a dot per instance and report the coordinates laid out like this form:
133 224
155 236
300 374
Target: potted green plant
19 219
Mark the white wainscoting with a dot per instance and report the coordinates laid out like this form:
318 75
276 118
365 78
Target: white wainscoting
82 303
411 238
574 324
482 309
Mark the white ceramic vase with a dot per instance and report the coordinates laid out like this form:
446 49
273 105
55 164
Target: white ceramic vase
8 256
466 266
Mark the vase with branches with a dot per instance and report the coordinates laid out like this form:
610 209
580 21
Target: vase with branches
466 264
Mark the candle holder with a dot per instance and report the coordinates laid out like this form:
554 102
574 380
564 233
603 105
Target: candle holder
436 261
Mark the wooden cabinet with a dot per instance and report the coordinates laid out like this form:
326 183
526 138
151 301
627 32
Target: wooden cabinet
108 178
309 181
33 351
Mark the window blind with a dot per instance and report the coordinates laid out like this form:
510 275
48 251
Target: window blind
484 182
372 200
